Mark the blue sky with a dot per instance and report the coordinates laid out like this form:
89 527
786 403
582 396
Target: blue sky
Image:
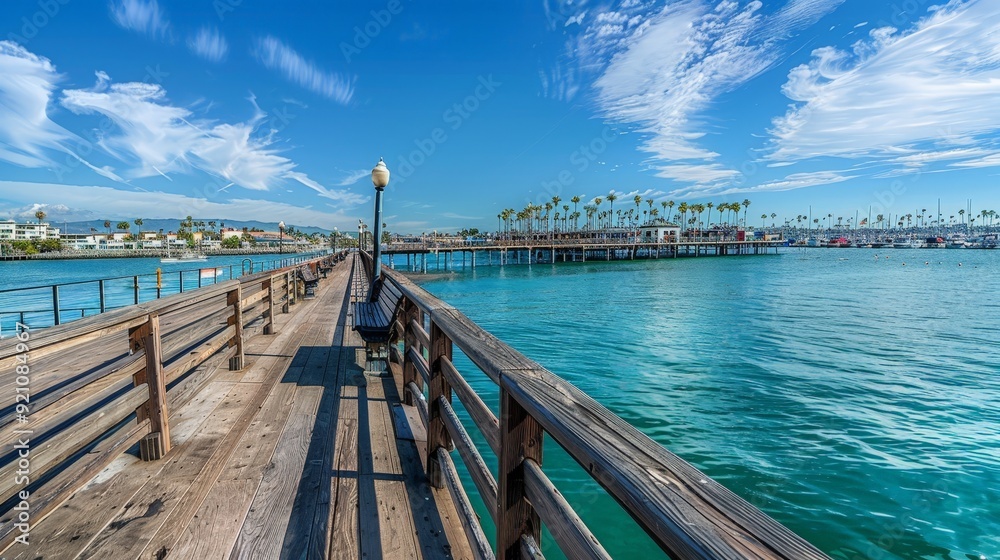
260 110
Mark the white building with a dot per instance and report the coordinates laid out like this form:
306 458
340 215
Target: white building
79 241
13 231
659 231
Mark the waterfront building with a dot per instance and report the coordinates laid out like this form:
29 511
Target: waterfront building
13 231
659 231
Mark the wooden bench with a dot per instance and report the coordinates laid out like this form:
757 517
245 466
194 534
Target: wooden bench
375 318
325 265
310 279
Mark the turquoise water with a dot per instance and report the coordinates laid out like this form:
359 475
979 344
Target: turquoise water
83 297
854 399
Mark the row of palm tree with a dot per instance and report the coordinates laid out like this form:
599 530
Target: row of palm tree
547 217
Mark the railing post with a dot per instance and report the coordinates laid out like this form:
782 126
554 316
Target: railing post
269 286
55 304
100 284
410 313
520 439
437 432
135 288
288 295
147 337
235 299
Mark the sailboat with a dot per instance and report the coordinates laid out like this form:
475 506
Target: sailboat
186 256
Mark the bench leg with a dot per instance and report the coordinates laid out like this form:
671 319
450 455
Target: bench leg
376 358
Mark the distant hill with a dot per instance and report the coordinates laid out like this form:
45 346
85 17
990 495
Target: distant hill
172 225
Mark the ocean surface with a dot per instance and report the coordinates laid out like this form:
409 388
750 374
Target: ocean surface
853 398
79 294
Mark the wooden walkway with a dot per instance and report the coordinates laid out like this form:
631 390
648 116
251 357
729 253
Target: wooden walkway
301 454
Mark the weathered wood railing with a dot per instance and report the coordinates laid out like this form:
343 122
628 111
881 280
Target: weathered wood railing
686 513
82 393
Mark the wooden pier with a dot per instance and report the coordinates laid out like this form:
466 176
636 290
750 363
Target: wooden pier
459 256
240 421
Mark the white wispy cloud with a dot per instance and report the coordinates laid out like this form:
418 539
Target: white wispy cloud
26 85
658 70
96 202
209 44
353 177
798 181
909 99
276 55
141 16
155 137
28 137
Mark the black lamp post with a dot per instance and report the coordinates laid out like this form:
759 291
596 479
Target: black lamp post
281 237
380 178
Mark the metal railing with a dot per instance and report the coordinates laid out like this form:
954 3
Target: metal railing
55 304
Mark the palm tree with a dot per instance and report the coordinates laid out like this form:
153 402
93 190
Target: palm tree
710 205
612 197
107 225
762 218
40 215
721 208
683 208
138 224
773 216
670 204
746 204
663 204
961 215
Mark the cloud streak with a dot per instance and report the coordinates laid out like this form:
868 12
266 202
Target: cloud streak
659 71
276 55
141 16
913 99
209 44
95 202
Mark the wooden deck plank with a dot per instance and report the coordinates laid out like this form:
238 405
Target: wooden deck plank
214 514
295 456
262 532
129 532
344 532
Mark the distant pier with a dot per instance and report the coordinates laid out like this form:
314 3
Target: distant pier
459 256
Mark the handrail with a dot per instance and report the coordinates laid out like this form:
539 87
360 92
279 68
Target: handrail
80 421
101 295
687 514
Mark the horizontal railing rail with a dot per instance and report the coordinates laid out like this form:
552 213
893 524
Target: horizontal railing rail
55 304
88 390
685 512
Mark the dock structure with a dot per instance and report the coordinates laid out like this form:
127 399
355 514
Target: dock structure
240 421
462 255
